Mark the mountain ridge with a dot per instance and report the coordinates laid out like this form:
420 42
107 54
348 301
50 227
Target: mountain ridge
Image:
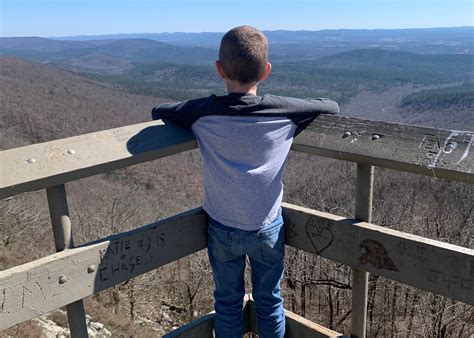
40 103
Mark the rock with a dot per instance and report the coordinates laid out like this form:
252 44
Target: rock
52 329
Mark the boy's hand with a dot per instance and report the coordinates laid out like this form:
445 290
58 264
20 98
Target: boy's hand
325 106
162 111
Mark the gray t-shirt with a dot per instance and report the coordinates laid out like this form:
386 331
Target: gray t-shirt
244 141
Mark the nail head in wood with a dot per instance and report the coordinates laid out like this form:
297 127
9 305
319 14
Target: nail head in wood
375 137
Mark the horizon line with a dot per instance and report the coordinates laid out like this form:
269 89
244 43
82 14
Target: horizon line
221 32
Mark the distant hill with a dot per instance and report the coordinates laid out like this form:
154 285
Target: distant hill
461 96
340 76
96 62
201 48
119 53
404 66
376 57
421 40
450 106
40 44
40 103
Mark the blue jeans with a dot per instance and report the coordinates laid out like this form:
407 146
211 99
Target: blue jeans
227 249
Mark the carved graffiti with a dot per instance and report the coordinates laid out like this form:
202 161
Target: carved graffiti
124 256
3 300
376 255
440 153
127 264
469 139
320 234
96 266
25 296
431 144
289 229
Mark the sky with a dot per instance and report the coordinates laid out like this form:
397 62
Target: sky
92 17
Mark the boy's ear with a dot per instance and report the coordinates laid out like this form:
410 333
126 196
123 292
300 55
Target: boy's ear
220 70
267 71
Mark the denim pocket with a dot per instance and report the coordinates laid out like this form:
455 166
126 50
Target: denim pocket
271 244
220 243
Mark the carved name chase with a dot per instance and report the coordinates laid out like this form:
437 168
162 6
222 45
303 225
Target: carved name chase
38 287
127 256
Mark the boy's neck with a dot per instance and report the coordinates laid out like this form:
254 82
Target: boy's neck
236 87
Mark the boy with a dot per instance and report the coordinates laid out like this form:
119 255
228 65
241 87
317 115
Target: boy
244 140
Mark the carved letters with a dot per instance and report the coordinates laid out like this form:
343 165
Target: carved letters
124 256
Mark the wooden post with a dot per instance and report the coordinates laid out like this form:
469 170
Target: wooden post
58 210
360 279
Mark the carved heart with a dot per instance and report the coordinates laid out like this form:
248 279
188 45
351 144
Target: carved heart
289 229
320 234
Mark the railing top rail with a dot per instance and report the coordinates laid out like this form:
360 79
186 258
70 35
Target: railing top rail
428 151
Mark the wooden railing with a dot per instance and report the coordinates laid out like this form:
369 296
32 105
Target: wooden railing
73 273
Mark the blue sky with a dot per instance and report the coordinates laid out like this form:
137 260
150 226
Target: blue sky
77 17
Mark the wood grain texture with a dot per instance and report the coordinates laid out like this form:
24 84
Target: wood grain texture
427 151
199 328
426 264
433 152
38 287
297 326
69 159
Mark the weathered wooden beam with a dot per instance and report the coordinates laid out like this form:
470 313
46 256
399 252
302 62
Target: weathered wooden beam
434 266
360 278
427 151
432 152
38 287
63 240
48 164
300 327
35 288
199 328
296 326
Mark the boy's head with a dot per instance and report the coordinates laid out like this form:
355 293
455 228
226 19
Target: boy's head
243 55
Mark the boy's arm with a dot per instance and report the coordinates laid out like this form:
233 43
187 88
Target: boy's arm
170 112
325 106
182 113
318 106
